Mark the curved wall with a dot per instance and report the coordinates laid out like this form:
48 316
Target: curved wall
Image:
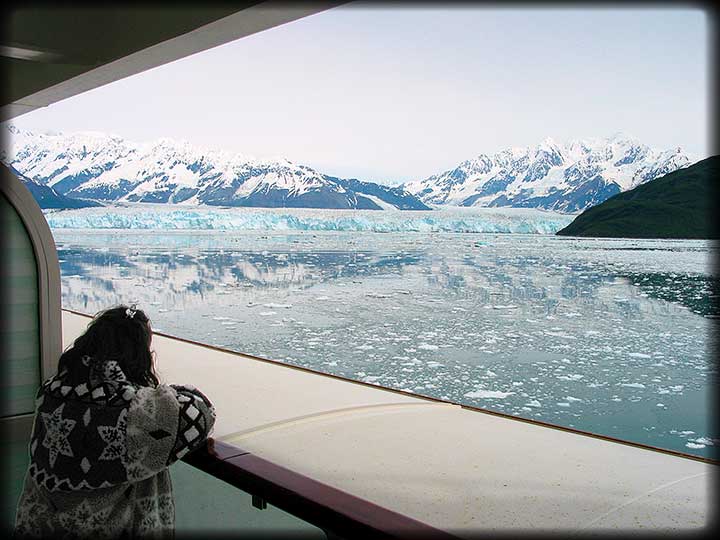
30 319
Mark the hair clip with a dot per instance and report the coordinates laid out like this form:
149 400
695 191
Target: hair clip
130 312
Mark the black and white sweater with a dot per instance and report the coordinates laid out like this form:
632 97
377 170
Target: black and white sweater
99 455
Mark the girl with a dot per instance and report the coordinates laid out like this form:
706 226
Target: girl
104 434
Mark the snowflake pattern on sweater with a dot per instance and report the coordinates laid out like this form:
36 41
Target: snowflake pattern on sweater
99 456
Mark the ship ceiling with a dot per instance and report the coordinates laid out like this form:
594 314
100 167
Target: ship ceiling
51 53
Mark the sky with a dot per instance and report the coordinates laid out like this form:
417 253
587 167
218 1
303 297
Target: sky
398 93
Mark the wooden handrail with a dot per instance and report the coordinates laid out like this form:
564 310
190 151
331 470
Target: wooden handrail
334 511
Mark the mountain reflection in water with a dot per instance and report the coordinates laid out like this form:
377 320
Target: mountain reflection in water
600 335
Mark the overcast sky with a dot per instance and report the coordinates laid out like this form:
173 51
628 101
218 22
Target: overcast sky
391 94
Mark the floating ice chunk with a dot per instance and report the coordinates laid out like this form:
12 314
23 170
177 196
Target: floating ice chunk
268 313
278 306
433 364
534 403
694 445
639 355
633 385
488 394
428 347
507 306
571 398
706 441
563 404
560 335
571 377
365 347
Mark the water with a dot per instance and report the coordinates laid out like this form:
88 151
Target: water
608 336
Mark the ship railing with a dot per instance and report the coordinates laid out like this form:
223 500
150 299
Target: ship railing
337 513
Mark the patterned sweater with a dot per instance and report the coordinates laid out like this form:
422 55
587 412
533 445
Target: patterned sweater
99 455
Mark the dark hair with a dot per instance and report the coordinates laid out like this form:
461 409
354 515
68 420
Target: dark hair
120 333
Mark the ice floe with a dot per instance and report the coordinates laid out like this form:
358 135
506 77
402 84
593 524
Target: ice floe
488 394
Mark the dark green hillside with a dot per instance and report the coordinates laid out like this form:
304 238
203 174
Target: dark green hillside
677 205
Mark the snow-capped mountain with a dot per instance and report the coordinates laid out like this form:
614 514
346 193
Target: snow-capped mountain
47 197
561 177
108 168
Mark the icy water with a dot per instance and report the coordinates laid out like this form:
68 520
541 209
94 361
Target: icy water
608 336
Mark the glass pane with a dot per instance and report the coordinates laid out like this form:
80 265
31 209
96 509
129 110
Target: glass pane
15 457
208 505
19 333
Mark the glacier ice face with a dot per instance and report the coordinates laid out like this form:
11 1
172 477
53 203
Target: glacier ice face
176 217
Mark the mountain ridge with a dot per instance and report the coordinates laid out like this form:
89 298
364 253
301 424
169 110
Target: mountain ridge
565 177
92 165
562 177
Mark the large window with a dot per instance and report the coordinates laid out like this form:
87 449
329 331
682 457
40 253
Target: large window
406 235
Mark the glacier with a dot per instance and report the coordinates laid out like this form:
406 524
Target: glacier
144 216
